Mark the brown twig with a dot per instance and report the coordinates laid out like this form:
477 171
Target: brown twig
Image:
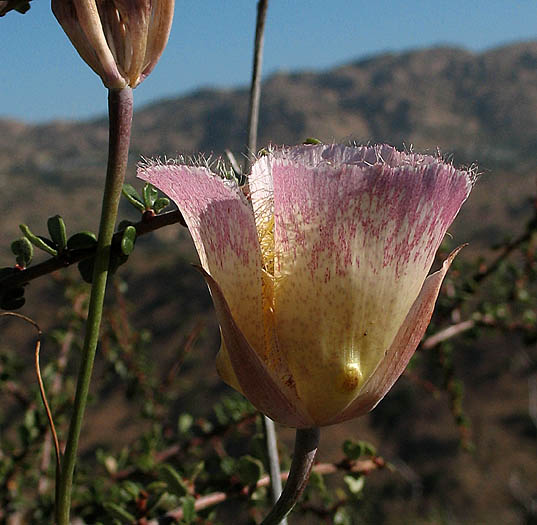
55 390
41 386
447 333
532 399
506 251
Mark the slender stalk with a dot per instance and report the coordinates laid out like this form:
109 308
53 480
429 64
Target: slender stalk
274 460
120 119
255 87
253 125
306 443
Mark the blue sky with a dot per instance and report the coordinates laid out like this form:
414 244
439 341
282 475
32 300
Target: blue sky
211 45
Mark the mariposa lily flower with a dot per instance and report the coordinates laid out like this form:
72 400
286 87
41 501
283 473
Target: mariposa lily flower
319 274
121 40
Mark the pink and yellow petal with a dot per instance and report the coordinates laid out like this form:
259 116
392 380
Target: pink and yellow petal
352 248
222 226
402 348
254 379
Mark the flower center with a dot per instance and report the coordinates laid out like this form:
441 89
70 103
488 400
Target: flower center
265 232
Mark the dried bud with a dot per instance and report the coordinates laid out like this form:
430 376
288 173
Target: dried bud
18 5
121 40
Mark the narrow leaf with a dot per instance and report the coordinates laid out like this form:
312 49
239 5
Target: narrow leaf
175 482
38 242
133 197
119 513
150 196
56 230
161 204
189 509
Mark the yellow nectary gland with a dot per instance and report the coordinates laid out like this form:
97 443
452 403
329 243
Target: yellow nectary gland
350 378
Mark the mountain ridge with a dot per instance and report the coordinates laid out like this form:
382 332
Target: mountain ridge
480 108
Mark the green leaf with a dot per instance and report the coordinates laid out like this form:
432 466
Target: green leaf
311 140
249 469
38 242
133 197
161 204
128 240
123 224
184 423
175 482
12 299
116 260
317 482
355 484
352 449
150 196
156 500
82 241
119 513
189 509
23 251
157 486
85 267
131 488
355 449
227 464
56 230
341 517
197 470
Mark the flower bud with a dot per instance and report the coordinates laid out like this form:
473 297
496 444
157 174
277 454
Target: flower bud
121 40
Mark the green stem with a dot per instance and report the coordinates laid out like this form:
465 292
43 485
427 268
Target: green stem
306 443
120 119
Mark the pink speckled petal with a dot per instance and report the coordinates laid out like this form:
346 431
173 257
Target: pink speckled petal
360 156
222 226
159 31
402 348
261 190
255 380
89 20
353 246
